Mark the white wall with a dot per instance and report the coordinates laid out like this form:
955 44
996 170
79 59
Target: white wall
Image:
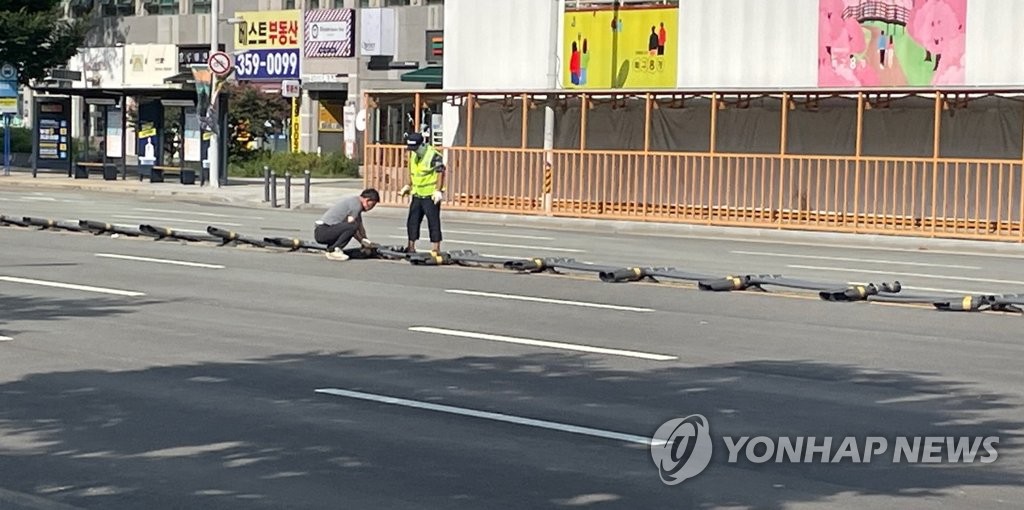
502 44
498 44
748 43
995 43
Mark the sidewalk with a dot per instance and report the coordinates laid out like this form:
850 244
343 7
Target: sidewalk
239 190
325 192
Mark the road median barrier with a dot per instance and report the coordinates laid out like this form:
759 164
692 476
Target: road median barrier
99 228
9 221
232 237
162 233
48 224
882 292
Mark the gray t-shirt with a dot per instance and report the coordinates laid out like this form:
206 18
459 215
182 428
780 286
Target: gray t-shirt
339 212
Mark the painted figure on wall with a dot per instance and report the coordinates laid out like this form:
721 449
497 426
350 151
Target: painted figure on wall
891 42
620 47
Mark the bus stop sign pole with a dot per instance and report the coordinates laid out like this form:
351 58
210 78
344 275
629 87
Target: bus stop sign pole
7 144
8 106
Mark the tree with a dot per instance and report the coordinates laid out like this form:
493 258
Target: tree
35 36
250 110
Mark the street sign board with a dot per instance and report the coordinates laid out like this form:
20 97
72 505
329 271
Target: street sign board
8 106
8 80
8 72
220 63
291 88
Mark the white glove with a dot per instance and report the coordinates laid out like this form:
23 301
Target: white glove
405 190
438 197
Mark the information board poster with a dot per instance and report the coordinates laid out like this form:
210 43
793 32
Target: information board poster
267 45
53 133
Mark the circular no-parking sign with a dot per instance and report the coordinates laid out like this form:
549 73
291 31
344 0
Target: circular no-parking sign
8 72
220 63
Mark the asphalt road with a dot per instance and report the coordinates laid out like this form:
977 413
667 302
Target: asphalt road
127 381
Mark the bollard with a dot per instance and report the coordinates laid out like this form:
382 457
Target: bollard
273 189
287 190
305 190
266 184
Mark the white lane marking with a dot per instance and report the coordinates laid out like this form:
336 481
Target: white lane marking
494 234
499 245
159 261
499 256
847 259
915 275
515 297
543 343
22 500
194 213
175 220
487 415
71 286
919 251
5 338
44 199
951 291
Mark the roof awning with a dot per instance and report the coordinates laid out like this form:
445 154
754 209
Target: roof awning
433 75
100 93
182 78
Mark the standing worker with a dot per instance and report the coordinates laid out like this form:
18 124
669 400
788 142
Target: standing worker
343 221
426 173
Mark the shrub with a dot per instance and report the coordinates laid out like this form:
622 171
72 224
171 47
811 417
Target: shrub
21 140
329 165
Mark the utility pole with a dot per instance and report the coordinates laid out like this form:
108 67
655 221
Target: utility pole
213 153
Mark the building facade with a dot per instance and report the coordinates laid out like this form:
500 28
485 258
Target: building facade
322 44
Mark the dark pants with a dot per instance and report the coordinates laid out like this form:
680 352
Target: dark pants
418 208
335 236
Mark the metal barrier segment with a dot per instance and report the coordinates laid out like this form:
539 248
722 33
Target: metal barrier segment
882 292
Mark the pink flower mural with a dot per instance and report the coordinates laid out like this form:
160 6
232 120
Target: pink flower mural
870 43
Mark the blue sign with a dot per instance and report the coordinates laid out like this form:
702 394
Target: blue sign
8 89
8 80
267 65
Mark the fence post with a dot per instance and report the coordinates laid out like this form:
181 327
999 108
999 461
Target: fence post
287 190
305 191
273 188
266 184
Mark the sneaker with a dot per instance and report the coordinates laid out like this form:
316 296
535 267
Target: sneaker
337 255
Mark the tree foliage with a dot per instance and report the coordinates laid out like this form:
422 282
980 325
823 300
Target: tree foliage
35 36
249 111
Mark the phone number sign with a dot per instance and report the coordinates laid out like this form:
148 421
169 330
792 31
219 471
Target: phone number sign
267 65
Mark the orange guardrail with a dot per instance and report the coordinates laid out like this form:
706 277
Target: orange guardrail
965 198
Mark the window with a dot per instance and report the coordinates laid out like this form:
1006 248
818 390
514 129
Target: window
339 4
79 8
162 7
313 4
118 8
201 6
289 4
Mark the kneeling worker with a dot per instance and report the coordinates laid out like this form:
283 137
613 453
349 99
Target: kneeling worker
426 172
343 221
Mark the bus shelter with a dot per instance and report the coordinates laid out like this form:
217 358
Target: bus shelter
167 137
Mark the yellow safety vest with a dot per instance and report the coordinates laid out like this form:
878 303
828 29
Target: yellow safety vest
422 174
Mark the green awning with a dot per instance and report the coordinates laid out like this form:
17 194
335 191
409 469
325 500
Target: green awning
433 75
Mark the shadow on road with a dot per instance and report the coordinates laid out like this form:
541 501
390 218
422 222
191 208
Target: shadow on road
255 435
16 309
